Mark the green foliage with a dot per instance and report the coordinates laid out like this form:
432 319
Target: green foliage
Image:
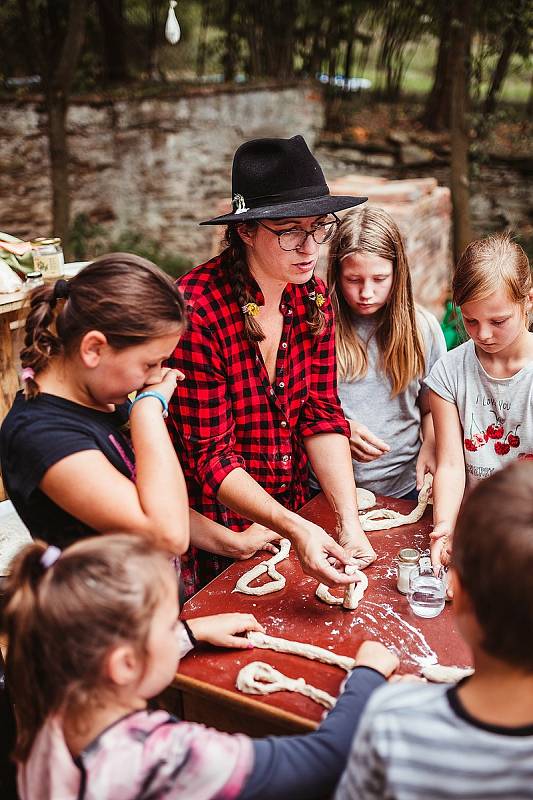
88 240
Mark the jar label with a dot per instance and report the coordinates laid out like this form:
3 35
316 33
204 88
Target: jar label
50 265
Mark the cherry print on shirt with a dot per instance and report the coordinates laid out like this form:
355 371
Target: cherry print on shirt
495 430
502 448
477 439
513 439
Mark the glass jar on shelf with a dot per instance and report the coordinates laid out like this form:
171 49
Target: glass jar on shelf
48 257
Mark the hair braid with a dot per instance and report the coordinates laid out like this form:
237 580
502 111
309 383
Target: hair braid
234 260
41 342
315 316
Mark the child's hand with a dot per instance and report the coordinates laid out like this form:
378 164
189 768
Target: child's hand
222 629
377 656
255 538
165 382
426 462
364 445
440 545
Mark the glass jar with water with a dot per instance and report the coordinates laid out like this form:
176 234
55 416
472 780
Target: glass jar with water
427 591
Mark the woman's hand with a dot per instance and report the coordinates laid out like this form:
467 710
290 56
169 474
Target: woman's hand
357 545
378 657
253 539
364 445
320 555
426 462
222 629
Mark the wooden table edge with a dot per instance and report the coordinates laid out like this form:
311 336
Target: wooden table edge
186 684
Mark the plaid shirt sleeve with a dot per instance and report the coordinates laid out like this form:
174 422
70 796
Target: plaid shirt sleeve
322 412
201 413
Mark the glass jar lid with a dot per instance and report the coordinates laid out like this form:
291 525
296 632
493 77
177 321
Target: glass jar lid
41 240
409 555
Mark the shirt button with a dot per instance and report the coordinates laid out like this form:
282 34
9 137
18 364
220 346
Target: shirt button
284 345
271 391
283 423
283 486
281 385
289 311
285 459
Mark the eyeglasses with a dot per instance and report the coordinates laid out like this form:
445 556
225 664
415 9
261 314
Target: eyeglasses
297 237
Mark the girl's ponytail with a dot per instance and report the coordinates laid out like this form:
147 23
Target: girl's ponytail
26 678
41 343
64 613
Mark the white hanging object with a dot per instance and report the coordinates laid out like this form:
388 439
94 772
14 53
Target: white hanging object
172 28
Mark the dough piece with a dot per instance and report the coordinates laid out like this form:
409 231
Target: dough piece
440 674
278 580
383 519
365 499
352 594
300 649
260 678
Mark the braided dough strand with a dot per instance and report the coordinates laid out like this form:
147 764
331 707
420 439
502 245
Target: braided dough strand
277 579
383 519
260 678
352 595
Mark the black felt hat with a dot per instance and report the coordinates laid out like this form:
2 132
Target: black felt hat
278 178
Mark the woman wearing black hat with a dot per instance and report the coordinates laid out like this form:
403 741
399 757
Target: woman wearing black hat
259 400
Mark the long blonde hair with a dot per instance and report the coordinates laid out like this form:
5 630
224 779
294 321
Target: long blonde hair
488 264
371 230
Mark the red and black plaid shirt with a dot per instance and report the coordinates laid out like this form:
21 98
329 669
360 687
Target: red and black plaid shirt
226 414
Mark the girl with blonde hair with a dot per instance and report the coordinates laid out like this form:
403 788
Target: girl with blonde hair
482 392
385 348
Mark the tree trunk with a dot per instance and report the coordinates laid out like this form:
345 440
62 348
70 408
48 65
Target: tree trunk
111 14
436 114
229 59
202 40
500 72
56 96
461 25
58 149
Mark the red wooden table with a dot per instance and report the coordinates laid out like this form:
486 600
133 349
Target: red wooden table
206 677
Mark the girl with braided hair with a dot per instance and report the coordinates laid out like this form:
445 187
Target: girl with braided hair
258 403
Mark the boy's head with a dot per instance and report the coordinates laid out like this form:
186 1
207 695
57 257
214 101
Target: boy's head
493 560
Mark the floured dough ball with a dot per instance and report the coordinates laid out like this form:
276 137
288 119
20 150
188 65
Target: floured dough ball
365 499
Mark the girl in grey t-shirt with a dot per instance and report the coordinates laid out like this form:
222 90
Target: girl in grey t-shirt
385 348
482 392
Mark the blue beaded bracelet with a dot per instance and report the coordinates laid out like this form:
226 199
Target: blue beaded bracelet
152 394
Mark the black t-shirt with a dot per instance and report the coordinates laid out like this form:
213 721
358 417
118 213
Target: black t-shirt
38 433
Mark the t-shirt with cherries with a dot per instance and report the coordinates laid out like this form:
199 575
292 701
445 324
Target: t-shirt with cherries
496 413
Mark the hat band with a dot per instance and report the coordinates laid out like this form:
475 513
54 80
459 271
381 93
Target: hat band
302 193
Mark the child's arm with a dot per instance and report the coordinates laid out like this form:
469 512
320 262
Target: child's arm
449 480
206 534
309 766
87 486
426 461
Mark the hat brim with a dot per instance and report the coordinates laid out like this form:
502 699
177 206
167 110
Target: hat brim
298 208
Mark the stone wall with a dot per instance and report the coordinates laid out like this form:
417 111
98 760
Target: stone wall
156 165
422 211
